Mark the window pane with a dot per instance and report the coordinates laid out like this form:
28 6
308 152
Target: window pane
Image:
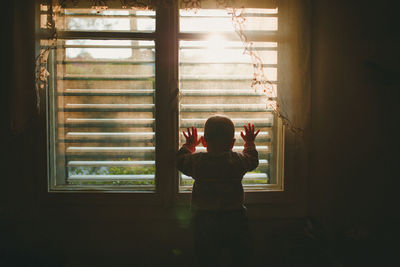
107 20
102 114
215 77
219 20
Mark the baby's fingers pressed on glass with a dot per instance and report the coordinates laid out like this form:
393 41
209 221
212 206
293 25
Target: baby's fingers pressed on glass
249 135
187 135
191 137
242 135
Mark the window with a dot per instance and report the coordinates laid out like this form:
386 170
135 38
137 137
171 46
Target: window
101 101
106 97
215 77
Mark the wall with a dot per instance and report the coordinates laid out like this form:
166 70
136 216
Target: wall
352 191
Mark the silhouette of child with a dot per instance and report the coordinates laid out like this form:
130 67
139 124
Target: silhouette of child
219 215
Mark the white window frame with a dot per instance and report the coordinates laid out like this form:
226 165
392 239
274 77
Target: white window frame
166 116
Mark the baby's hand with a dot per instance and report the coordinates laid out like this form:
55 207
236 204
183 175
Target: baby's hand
191 139
250 136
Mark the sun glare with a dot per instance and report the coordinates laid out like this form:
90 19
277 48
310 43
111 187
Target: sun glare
215 42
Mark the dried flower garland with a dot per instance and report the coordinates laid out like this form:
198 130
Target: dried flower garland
41 72
259 81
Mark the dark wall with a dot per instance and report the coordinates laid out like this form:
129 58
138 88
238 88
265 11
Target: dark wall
351 187
355 87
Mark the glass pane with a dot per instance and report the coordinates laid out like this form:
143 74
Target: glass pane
102 114
219 20
106 20
215 77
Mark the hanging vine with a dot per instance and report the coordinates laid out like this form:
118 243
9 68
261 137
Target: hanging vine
41 72
259 82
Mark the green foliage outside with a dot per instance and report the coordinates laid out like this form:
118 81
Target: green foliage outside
131 182
136 170
112 171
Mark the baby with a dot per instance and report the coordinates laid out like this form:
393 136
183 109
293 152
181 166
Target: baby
219 215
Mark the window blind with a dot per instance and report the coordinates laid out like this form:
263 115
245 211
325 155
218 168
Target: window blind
216 75
102 98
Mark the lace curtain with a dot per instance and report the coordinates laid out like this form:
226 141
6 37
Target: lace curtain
293 98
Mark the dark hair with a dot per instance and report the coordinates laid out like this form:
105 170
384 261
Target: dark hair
219 129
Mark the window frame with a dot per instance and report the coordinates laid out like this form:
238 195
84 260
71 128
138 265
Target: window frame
167 123
277 128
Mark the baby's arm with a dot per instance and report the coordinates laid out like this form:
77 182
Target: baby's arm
184 161
249 152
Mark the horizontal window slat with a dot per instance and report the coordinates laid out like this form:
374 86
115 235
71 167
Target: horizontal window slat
191 47
107 78
257 36
227 15
221 92
106 141
106 46
261 134
109 163
108 92
108 155
198 125
109 134
238 122
94 177
260 145
225 63
236 148
114 121
108 108
146 106
246 176
104 16
115 156
239 140
219 78
110 137
183 126
223 108
100 125
109 149
106 123
248 187
106 62
107 35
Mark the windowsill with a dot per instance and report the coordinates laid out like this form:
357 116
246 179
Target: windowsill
68 189
148 198
252 197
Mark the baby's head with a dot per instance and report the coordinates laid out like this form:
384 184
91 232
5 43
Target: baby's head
219 133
